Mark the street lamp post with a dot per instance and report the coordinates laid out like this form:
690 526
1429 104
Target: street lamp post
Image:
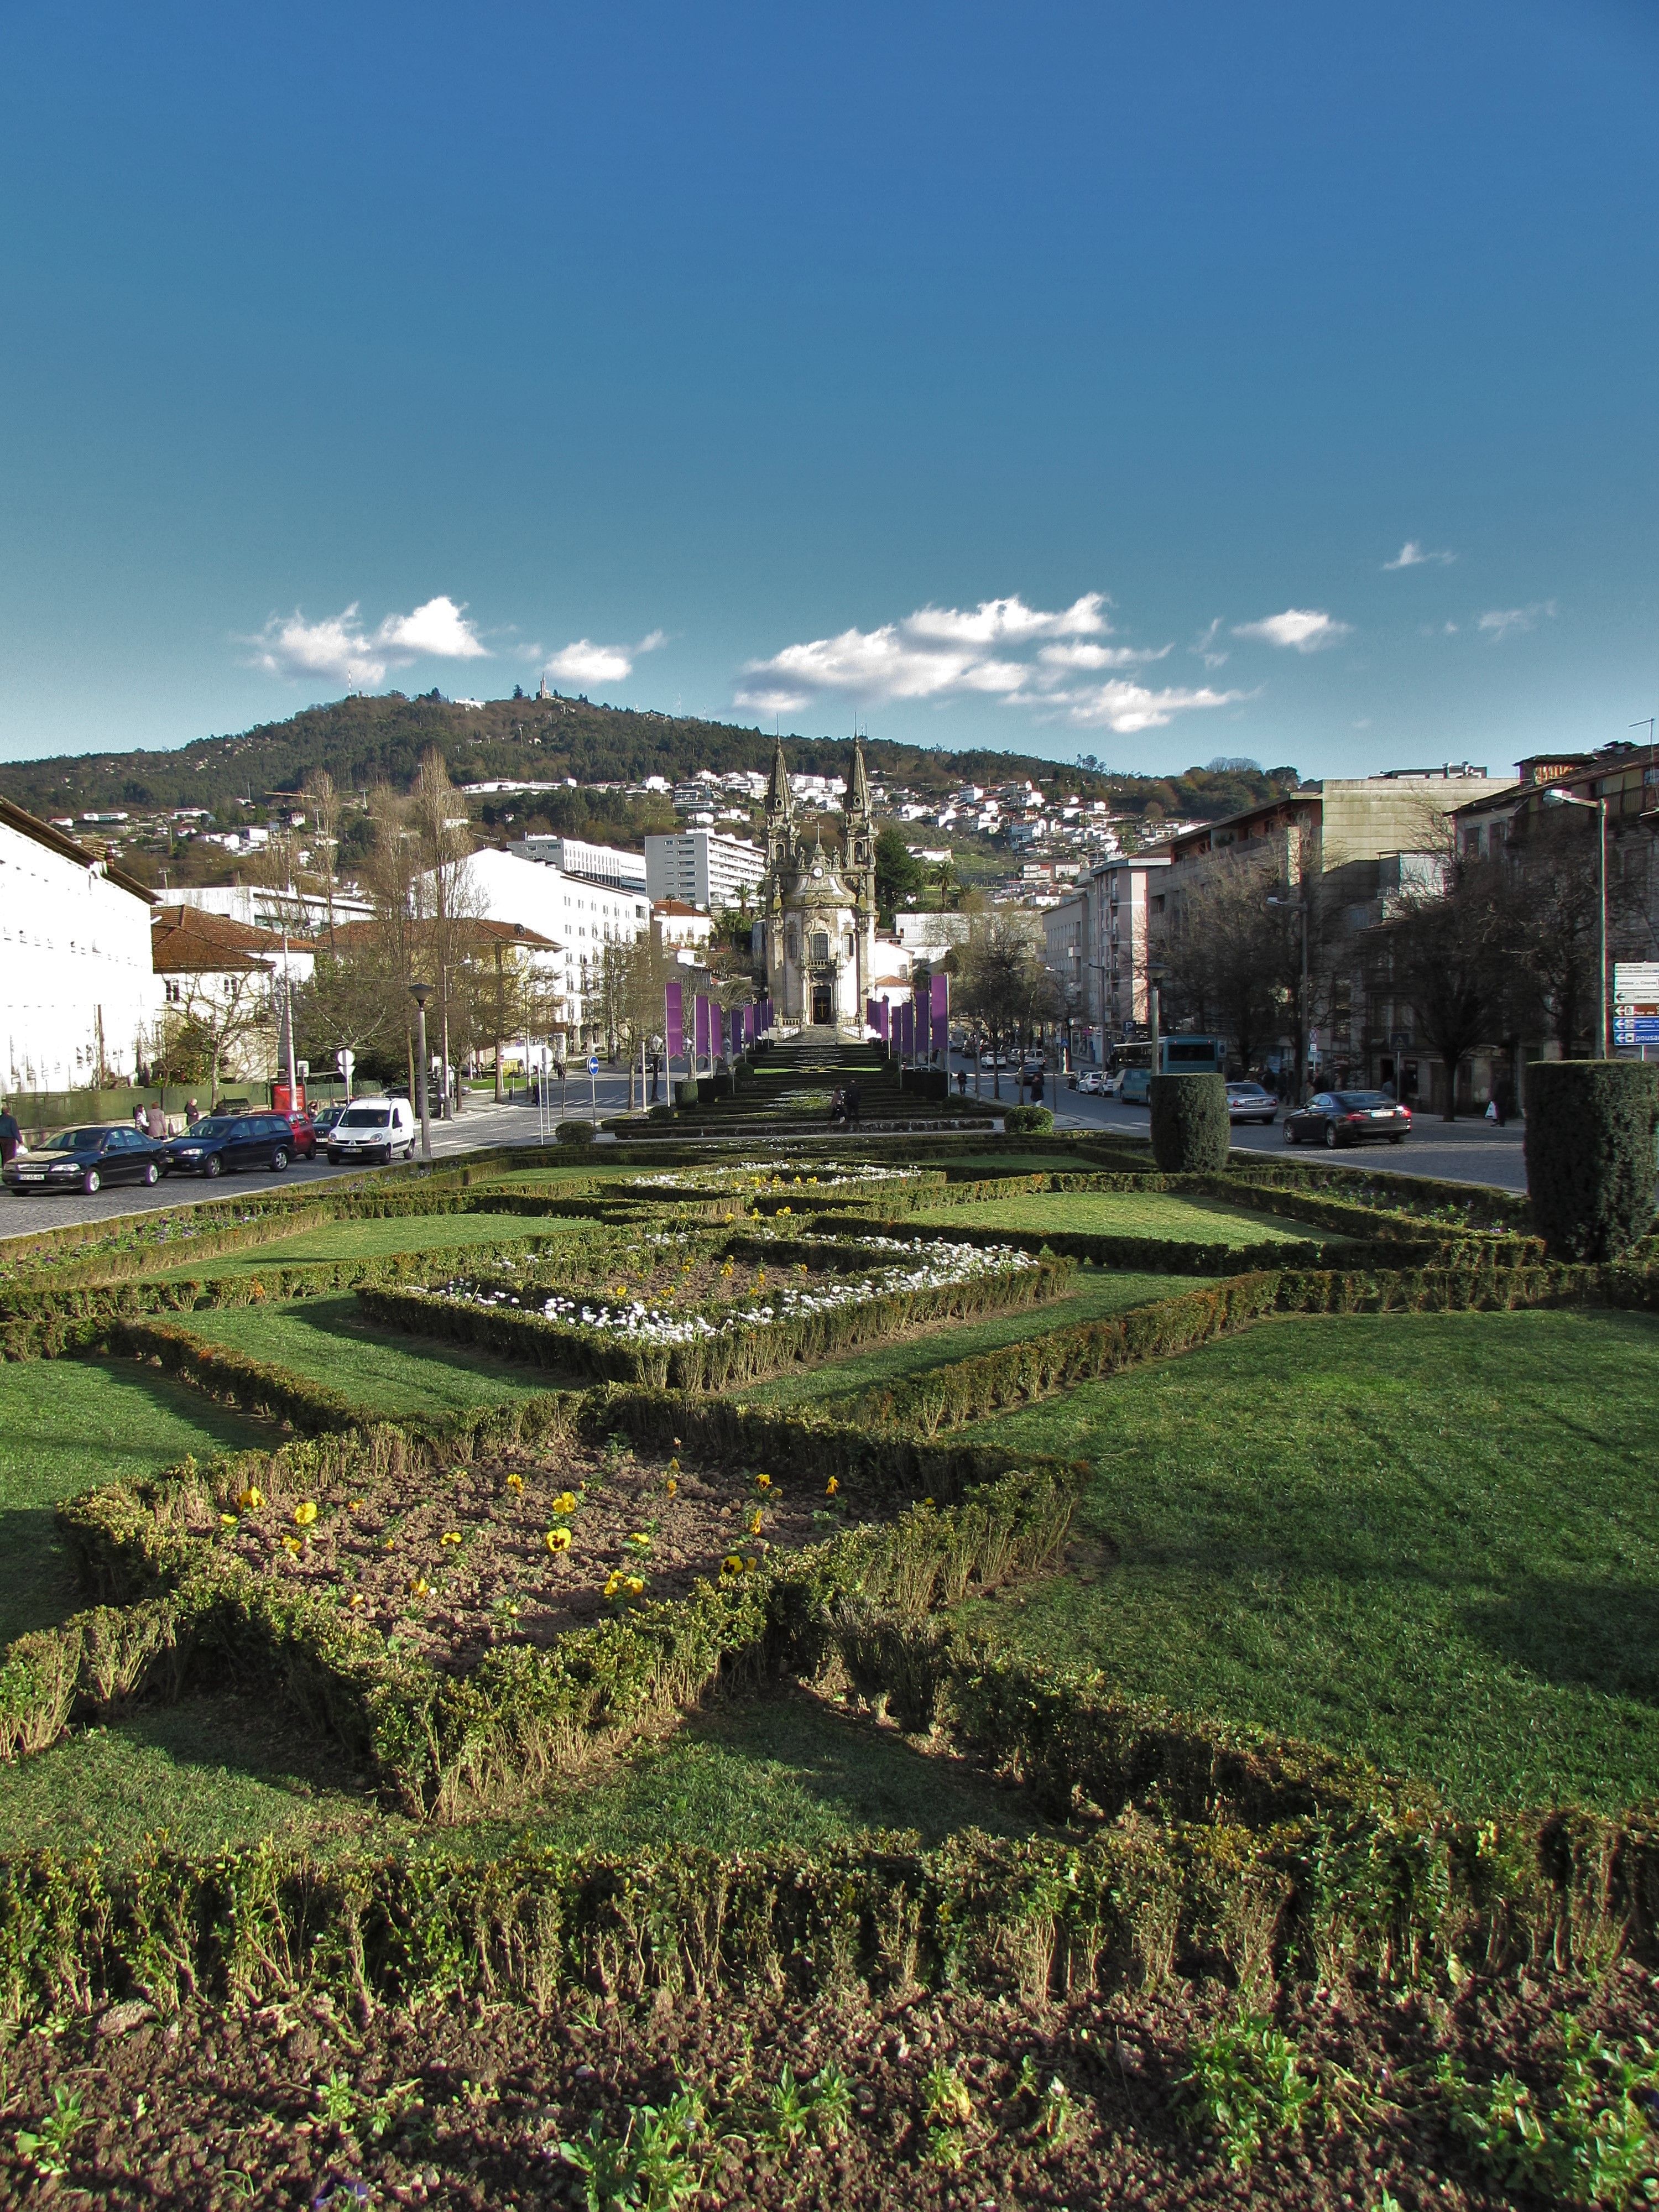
1554 797
1301 906
421 992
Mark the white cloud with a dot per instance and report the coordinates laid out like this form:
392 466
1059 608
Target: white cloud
1124 707
584 662
1099 656
340 646
1009 621
1413 555
937 654
1303 630
1498 624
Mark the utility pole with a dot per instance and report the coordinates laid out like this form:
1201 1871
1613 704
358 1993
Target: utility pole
421 992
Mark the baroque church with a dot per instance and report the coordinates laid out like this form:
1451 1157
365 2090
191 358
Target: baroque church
817 920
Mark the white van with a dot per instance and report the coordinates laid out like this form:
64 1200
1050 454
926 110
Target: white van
372 1129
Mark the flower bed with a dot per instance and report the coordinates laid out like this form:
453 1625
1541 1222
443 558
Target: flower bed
759 1326
776 1175
520 1545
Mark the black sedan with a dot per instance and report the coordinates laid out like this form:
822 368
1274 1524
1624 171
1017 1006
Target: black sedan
223 1141
86 1159
1348 1117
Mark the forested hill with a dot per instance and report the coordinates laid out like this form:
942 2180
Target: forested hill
368 740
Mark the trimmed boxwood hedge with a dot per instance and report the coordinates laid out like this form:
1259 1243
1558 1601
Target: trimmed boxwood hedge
1591 1126
718 1363
1191 1132
445 1745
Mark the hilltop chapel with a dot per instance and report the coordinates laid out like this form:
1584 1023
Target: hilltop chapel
817 918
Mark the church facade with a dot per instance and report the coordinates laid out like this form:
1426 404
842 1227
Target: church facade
817 931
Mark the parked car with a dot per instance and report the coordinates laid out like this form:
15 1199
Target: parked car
1251 1101
86 1159
323 1120
304 1131
1348 1117
372 1130
225 1142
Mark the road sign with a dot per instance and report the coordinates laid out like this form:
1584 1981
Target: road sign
593 1064
1636 982
1636 1029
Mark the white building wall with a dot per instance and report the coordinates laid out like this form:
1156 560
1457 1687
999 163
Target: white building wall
702 868
581 917
74 958
577 856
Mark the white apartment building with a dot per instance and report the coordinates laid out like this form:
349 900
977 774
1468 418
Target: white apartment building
580 917
576 856
704 868
78 997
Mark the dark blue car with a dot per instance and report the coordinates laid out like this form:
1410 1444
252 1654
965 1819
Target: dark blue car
226 1141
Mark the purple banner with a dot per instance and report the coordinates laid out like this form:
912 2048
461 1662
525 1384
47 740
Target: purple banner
749 1023
872 1013
941 997
885 1023
907 1036
673 1010
700 1033
734 1033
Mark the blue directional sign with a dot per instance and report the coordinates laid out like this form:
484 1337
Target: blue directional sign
1638 1028
593 1065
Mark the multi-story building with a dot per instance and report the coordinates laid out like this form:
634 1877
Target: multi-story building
580 916
1121 901
702 867
79 999
578 856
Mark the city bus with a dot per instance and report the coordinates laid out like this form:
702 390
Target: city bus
1180 1052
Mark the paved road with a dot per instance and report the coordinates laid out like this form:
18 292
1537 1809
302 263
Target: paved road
1459 1151
481 1124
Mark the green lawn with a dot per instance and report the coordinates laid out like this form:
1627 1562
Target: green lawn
1100 1290
222 1772
1432 1538
1125 1213
388 1374
68 1426
373 1240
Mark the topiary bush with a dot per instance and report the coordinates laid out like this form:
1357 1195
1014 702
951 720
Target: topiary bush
574 1132
1589 1148
1027 1122
1191 1133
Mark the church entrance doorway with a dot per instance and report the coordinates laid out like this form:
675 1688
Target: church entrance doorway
822 1005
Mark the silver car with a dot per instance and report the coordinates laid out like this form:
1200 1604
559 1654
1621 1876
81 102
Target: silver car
1249 1101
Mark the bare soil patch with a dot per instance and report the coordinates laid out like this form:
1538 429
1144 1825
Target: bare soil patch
468 2106
529 1544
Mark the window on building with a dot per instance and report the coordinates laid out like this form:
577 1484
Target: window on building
820 945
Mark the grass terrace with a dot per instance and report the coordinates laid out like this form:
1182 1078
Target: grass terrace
63 1420
1430 1538
329 1341
375 1239
1121 1213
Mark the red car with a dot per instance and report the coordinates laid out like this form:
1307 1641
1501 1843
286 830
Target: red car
305 1137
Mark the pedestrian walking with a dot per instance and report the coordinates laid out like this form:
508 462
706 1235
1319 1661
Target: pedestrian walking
139 1121
192 1115
11 1136
854 1103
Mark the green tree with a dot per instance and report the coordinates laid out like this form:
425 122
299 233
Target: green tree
899 874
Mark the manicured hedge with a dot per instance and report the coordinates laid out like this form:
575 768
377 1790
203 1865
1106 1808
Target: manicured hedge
1027 1121
972 1389
720 1362
445 1744
1591 1126
255 1386
1192 1133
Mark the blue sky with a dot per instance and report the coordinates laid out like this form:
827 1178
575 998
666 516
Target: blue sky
1068 378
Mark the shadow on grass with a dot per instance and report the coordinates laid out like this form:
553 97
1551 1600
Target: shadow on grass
1601 1636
